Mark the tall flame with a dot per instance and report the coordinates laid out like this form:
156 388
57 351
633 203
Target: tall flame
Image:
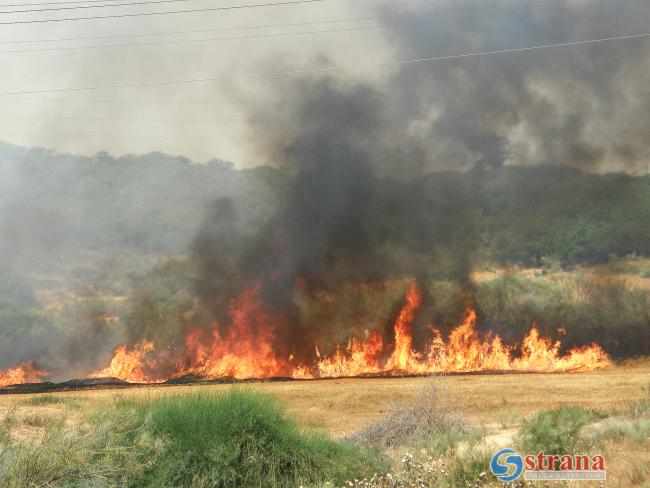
247 349
23 373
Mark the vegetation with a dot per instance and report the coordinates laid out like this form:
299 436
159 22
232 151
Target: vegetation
554 431
155 204
239 438
426 420
613 314
242 438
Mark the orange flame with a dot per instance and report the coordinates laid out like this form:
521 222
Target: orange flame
403 354
248 349
130 365
23 373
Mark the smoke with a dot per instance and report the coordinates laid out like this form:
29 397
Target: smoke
584 106
344 219
362 205
369 186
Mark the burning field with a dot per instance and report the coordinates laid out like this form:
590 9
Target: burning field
249 350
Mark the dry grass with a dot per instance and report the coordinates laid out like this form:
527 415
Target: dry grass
343 406
425 416
497 404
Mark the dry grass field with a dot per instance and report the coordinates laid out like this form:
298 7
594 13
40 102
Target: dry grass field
495 405
342 406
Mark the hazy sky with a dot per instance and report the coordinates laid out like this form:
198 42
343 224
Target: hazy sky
222 135
585 105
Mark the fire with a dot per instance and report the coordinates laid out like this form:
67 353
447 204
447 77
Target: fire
23 373
130 364
402 355
248 348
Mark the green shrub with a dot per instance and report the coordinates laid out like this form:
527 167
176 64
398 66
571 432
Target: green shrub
110 450
554 431
636 430
611 313
242 438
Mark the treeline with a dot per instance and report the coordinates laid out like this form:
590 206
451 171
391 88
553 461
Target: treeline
155 203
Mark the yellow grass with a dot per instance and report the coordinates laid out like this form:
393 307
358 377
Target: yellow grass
341 406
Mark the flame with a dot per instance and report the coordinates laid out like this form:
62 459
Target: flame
402 356
23 373
132 365
248 348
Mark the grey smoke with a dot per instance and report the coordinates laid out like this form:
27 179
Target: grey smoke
585 106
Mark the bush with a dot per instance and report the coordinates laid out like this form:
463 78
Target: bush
426 420
554 431
611 313
107 451
615 429
242 438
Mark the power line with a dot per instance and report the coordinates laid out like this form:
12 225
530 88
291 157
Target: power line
188 41
157 102
325 69
126 4
164 12
67 155
197 31
121 136
70 2
120 119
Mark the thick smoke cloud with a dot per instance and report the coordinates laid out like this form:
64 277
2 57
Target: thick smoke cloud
359 202
584 106
344 220
360 206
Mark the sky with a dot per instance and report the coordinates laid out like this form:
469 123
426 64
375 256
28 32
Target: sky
582 105
157 117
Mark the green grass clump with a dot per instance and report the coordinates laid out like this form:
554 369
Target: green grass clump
39 400
242 438
636 430
36 420
554 431
111 449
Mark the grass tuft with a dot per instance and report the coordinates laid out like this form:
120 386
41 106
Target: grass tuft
39 400
554 431
242 438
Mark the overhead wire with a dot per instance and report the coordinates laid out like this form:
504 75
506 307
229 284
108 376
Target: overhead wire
163 12
332 68
196 31
107 3
188 41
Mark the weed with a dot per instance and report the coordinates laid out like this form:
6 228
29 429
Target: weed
241 438
554 431
427 417
39 400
